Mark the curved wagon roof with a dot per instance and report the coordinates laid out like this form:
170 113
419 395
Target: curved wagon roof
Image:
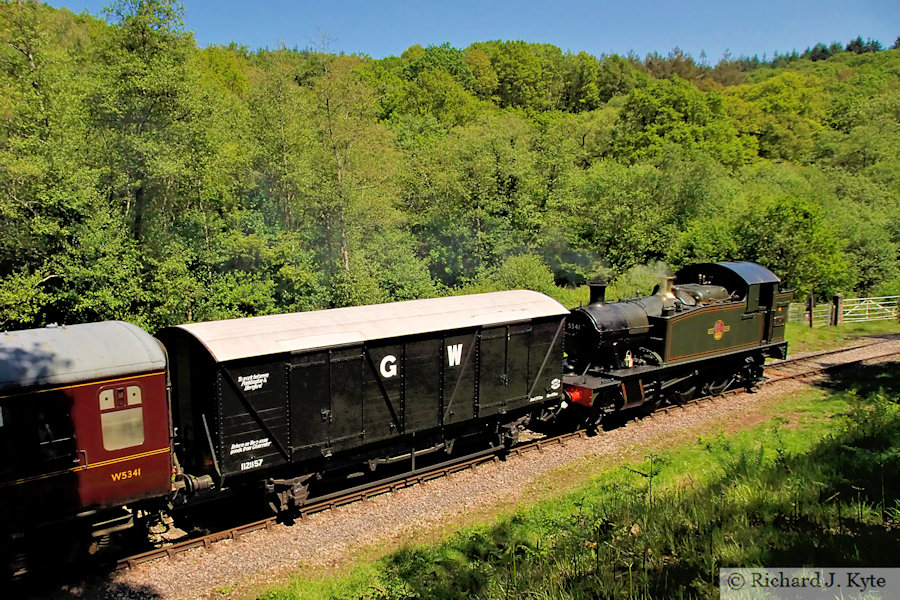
62 355
258 336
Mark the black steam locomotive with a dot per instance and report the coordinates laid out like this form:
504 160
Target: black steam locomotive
705 329
102 424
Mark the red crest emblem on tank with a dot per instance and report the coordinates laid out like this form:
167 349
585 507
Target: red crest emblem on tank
718 330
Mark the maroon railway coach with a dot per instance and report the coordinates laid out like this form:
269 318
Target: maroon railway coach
84 424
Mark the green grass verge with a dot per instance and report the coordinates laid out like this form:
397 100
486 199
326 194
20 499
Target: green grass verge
817 485
804 339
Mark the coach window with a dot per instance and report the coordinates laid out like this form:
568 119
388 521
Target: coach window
122 417
47 422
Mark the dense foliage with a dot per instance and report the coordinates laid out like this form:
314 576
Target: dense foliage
144 178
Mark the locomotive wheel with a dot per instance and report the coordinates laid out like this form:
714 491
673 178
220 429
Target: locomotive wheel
718 385
591 423
684 394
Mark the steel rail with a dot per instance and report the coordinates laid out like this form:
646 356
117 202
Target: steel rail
336 499
364 492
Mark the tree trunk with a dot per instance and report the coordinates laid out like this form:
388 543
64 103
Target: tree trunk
345 254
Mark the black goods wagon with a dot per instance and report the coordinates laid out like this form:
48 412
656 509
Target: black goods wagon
280 398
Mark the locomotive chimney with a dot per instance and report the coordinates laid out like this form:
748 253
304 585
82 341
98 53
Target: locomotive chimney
664 289
598 291
669 285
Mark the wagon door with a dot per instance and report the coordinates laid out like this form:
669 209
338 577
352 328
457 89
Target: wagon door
346 396
326 401
310 403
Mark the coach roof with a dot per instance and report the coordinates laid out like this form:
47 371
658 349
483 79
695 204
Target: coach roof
63 355
257 336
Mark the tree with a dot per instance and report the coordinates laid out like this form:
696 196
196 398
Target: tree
582 91
674 111
617 77
473 196
857 46
676 63
485 77
528 75
47 190
278 106
786 112
440 58
146 110
818 52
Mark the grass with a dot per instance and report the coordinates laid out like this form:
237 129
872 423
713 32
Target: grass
816 484
804 339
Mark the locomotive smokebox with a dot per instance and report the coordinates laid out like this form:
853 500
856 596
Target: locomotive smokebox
598 291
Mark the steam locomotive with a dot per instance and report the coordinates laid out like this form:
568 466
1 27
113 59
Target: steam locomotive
103 426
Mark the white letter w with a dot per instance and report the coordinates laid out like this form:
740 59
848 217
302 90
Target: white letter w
454 355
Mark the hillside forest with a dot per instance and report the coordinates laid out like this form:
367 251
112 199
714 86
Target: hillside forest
144 178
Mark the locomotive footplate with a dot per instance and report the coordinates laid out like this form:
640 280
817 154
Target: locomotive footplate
633 372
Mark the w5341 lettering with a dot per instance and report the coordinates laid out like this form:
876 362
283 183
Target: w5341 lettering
123 475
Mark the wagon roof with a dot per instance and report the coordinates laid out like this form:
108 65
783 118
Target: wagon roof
258 336
62 355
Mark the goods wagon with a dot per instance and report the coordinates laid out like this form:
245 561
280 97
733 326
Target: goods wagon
289 396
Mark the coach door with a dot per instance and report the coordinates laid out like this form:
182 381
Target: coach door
122 440
37 458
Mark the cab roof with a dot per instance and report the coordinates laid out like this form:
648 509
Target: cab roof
747 272
69 354
258 336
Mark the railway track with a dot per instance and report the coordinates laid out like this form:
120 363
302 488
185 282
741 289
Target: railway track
794 368
363 492
810 364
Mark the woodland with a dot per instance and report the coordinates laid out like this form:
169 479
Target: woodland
147 179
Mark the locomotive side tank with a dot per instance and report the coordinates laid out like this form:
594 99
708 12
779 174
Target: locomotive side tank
728 317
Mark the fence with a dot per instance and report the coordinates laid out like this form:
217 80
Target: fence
844 310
